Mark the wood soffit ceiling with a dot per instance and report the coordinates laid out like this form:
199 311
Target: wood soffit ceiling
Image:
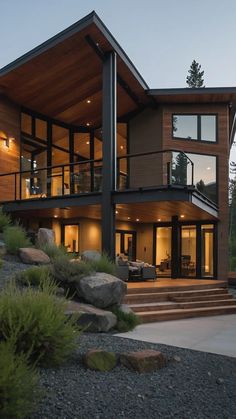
59 81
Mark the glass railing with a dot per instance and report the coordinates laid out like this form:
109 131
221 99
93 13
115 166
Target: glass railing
155 169
68 179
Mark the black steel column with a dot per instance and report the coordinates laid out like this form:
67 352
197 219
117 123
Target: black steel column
175 248
109 117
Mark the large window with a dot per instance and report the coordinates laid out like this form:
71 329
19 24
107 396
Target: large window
195 127
204 172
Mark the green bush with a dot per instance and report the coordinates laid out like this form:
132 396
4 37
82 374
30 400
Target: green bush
67 274
34 321
125 321
5 220
53 251
1 263
34 276
18 384
104 264
15 237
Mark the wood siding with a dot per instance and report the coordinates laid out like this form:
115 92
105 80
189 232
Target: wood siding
9 156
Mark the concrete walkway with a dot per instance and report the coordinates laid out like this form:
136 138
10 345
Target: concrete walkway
209 334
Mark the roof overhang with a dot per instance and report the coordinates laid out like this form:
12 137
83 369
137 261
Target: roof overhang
56 77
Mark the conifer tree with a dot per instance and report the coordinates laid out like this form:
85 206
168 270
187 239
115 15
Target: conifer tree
195 77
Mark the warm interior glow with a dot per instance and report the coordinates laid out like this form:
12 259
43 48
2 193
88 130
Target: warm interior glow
71 238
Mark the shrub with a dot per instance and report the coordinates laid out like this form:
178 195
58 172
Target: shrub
35 322
68 274
104 264
1 263
125 321
5 220
18 384
15 237
35 276
53 251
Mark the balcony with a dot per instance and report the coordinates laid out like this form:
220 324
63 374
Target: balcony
160 170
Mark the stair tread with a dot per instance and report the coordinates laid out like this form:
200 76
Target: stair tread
187 292
186 310
169 303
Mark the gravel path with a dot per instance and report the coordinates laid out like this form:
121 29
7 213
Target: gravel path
201 385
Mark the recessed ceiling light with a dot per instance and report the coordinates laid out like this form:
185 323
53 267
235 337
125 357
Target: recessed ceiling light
128 218
55 216
122 147
208 168
117 212
182 216
137 219
87 142
88 124
159 219
88 101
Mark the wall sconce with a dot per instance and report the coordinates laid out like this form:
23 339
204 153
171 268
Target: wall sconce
4 137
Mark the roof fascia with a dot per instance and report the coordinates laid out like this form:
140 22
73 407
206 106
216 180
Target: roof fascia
191 91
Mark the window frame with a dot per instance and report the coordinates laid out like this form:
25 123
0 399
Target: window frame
198 115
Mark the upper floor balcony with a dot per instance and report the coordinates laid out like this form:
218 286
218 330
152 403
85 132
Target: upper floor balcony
158 170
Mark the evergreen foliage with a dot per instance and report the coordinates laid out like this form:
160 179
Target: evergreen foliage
195 78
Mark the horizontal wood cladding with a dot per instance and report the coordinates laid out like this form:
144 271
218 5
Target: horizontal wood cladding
221 150
9 156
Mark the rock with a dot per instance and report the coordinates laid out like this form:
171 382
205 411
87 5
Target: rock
176 358
3 249
45 236
125 309
92 318
143 361
100 360
101 289
220 381
90 255
33 256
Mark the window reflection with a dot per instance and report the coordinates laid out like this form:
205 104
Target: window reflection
205 174
194 127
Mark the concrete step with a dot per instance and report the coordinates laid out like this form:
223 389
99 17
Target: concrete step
176 314
170 296
140 308
159 288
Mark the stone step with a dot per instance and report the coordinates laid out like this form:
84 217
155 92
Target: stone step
159 288
170 306
167 296
176 314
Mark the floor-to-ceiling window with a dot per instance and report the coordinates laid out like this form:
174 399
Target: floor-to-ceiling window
188 250
163 250
207 247
126 244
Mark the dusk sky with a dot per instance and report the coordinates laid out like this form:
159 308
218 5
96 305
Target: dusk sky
161 37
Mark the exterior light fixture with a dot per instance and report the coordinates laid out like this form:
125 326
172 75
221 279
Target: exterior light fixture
122 147
182 216
137 219
4 137
88 124
88 101
55 216
117 212
128 218
159 219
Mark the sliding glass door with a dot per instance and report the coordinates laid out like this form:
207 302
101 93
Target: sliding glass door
188 250
163 251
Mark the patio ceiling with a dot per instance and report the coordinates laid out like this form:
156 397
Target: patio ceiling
59 77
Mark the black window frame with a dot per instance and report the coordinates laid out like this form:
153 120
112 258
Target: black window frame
198 115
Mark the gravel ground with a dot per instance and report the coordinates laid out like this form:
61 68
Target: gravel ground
11 265
201 385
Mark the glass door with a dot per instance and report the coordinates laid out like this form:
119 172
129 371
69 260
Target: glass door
126 244
207 250
188 250
71 238
163 251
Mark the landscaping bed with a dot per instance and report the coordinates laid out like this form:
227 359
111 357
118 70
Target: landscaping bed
198 385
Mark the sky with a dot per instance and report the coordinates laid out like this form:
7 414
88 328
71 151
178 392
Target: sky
161 37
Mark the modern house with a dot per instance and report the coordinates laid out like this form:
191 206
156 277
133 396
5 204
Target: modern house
88 149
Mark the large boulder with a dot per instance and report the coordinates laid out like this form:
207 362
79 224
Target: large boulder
33 256
90 256
45 237
101 289
100 360
91 318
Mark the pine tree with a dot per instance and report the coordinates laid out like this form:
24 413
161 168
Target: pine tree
195 77
179 169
